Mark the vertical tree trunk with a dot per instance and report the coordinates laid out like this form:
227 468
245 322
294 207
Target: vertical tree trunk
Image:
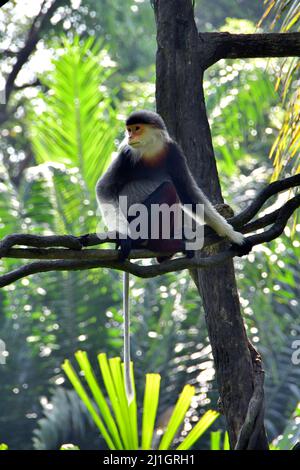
180 100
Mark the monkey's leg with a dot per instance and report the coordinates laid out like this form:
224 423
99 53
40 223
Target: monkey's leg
125 245
164 194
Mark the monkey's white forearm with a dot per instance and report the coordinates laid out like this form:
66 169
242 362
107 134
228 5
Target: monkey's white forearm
217 221
190 193
113 216
108 200
220 224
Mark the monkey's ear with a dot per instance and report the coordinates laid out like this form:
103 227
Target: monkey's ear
242 250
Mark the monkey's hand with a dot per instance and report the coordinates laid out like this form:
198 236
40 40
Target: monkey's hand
125 246
83 239
189 253
243 249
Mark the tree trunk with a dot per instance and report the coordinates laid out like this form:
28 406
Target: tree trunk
180 66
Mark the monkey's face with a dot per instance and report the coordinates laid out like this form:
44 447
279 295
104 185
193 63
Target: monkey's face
136 135
146 140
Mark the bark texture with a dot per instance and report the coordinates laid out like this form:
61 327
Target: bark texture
181 61
242 46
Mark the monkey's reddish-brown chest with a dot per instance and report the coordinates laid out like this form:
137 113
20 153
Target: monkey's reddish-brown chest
155 161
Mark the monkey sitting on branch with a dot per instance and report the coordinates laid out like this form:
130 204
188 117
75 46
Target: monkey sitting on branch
151 169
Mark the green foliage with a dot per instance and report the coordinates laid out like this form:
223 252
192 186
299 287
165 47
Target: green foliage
69 447
215 441
211 18
9 206
56 198
285 13
239 98
74 124
47 317
128 26
65 418
269 286
286 146
175 340
117 423
291 434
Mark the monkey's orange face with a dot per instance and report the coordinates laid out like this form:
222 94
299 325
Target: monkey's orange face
136 134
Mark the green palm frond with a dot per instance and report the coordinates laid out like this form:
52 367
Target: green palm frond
75 123
286 148
285 11
239 97
215 441
10 207
117 421
55 198
282 390
69 447
291 434
67 417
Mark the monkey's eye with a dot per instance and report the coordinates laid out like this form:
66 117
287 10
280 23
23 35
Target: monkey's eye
137 128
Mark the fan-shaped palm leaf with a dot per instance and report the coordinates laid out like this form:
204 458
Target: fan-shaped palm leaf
118 422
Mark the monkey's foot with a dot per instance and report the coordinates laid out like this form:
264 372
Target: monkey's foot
125 246
161 259
189 253
83 239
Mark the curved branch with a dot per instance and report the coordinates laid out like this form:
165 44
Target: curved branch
239 222
68 241
40 243
276 230
73 258
145 272
108 258
273 188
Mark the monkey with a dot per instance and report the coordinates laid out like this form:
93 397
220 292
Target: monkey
151 169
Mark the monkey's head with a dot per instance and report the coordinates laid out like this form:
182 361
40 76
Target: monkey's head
146 133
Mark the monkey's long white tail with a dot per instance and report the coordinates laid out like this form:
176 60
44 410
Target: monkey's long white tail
126 313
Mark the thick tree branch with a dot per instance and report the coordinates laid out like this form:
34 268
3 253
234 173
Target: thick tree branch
239 222
67 241
138 270
273 188
61 259
242 46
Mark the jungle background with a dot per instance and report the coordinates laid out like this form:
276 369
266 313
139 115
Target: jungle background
93 64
